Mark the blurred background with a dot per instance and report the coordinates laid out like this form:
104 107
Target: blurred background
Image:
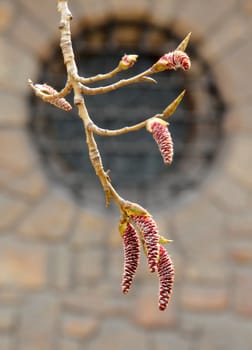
61 256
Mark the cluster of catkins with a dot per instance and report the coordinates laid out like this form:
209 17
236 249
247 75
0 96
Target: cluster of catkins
138 226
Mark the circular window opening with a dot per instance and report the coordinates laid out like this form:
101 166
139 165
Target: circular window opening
137 169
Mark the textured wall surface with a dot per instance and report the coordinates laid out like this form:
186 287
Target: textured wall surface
60 264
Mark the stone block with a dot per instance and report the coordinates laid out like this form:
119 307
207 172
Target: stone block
130 9
204 298
92 12
228 34
7 319
68 344
237 63
31 186
38 322
16 152
47 14
51 219
28 33
241 252
225 333
147 315
11 211
61 263
240 226
7 14
22 266
201 271
242 293
12 78
200 17
89 265
229 194
199 230
6 341
91 229
171 340
163 12
79 327
238 164
13 110
120 335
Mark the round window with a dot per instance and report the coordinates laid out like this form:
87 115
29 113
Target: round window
137 169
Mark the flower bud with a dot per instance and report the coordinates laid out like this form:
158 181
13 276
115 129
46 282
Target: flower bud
166 278
58 102
149 231
127 61
158 128
173 60
131 256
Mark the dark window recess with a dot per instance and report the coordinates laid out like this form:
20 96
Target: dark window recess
137 170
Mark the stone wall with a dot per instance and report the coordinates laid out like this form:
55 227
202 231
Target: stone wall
60 264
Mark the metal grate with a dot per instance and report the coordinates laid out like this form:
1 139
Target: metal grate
135 163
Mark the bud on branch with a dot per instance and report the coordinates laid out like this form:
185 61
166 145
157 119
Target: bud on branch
172 60
158 128
50 91
131 256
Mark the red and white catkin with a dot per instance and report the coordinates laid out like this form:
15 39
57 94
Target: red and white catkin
149 231
166 278
131 245
161 134
173 60
58 102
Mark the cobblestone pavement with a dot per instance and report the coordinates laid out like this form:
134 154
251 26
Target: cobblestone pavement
60 264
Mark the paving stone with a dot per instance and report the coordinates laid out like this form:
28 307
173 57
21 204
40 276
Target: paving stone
22 265
12 78
241 168
226 333
38 322
7 13
13 110
79 327
12 210
173 340
120 335
242 292
51 219
16 152
204 298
